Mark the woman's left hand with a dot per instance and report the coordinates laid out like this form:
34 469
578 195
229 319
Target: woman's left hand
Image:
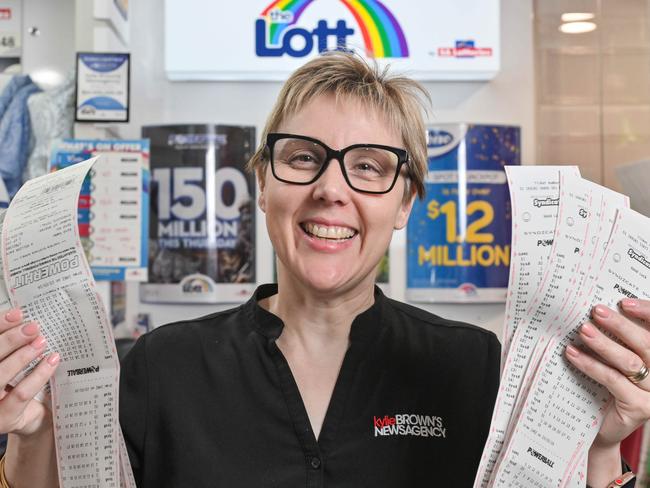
621 368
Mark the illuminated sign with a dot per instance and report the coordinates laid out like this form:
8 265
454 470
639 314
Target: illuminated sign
267 40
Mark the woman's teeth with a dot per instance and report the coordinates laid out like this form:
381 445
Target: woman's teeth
329 232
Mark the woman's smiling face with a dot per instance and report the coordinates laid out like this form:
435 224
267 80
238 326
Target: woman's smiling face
328 236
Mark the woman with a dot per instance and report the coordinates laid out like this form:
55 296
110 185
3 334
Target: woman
321 380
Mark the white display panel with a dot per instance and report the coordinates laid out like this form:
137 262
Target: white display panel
262 40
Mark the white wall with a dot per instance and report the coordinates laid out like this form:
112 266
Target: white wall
49 53
507 99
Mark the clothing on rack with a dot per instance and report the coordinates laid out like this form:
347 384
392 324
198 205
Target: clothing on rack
52 117
15 130
4 80
11 89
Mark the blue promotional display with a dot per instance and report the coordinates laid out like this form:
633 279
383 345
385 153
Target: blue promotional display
458 236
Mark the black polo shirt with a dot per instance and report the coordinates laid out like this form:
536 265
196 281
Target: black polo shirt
212 402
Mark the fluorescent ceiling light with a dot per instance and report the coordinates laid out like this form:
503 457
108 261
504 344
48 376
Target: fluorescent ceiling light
577 27
577 16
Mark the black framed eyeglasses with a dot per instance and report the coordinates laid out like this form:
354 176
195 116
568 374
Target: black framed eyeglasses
367 168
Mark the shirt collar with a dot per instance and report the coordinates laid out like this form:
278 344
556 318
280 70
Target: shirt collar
364 326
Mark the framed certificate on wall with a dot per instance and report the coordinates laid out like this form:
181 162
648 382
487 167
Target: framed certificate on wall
102 87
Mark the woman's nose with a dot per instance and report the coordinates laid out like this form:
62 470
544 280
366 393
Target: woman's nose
331 185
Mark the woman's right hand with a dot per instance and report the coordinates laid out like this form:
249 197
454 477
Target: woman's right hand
20 344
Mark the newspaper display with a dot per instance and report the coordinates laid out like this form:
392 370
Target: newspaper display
547 413
47 275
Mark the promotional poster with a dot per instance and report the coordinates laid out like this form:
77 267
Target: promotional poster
113 204
458 237
202 227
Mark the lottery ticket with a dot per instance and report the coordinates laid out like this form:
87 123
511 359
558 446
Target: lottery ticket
46 274
565 409
539 321
535 197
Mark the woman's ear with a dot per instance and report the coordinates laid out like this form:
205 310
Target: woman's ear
404 211
260 173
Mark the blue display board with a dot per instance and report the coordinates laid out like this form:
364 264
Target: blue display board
458 236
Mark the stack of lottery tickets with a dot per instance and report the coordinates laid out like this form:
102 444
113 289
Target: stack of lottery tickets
46 274
575 244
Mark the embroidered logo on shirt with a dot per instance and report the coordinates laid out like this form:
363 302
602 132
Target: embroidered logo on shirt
409 424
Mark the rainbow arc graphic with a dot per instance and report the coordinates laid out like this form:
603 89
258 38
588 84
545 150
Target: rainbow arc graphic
382 35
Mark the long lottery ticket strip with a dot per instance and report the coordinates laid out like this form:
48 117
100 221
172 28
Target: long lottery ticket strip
535 197
584 223
547 413
46 274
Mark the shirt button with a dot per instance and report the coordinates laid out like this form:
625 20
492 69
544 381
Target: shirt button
315 462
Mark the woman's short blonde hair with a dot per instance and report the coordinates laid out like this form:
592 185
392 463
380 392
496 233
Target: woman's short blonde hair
347 75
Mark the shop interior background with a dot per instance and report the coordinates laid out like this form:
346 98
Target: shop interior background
579 99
